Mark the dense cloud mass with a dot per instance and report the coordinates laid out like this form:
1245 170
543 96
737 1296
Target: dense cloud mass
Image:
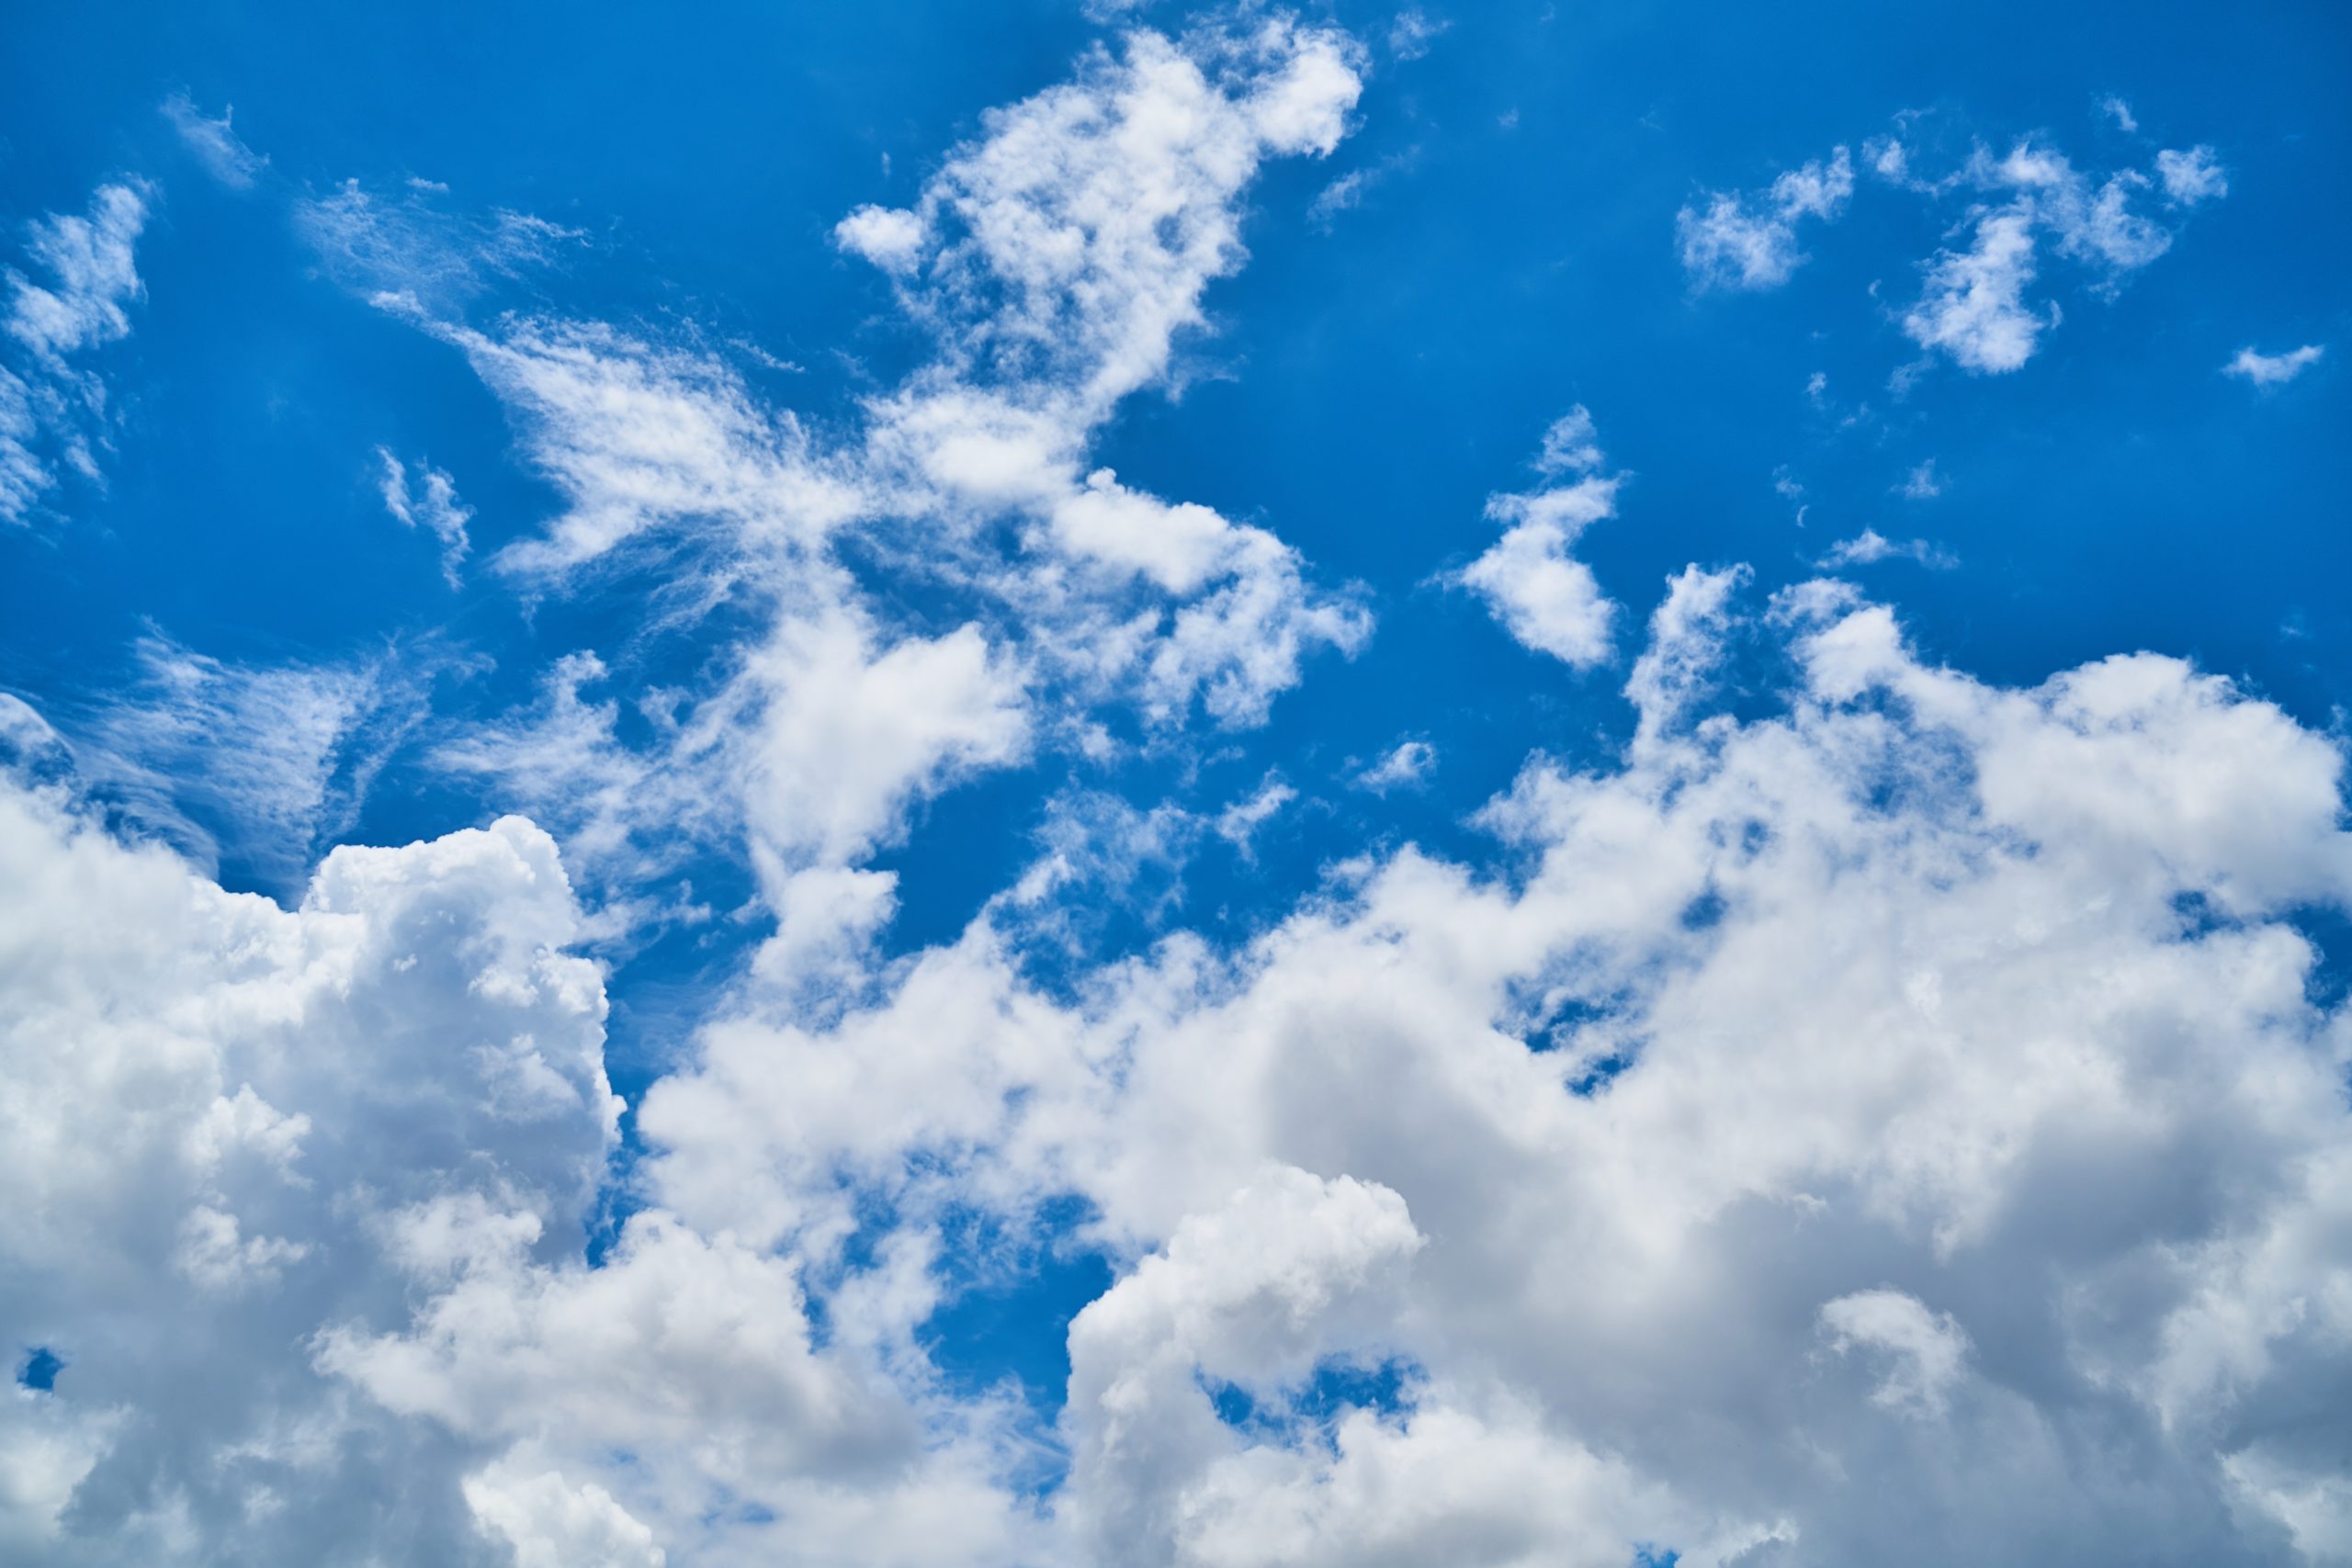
1862 1113
1827 1121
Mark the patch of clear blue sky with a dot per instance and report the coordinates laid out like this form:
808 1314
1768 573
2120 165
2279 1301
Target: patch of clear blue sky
1371 383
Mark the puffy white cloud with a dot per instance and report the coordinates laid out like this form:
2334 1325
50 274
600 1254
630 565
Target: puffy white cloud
1404 767
1972 306
52 410
1684 1178
1751 242
1900 997
1543 595
2192 176
2273 369
211 1103
1871 546
1239 823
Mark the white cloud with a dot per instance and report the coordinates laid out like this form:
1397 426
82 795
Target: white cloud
1666 1280
2273 369
430 504
54 411
1751 242
1545 596
1945 1013
1973 305
1405 767
1871 546
1921 483
1924 1353
1239 823
215 143
2192 176
1411 35
2118 111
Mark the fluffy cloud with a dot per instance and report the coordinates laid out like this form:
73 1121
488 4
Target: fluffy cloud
2192 176
1973 308
1796 1023
1751 242
1545 596
2273 369
1734 1118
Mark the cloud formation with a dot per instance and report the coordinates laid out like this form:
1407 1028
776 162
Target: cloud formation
53 407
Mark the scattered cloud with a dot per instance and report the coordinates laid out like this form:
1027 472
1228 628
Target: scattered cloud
1973 308
2273 369
1750 241
1407 766
429 503
2118 111
1870 546
215 143
2192 176
1544 597
1921 483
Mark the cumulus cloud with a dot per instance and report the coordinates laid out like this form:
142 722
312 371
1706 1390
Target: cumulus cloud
1649 1177
1731 1117
1545 597
2192 176
53 409
1750 241
1701 1146
2273 369
1871 546
1972 306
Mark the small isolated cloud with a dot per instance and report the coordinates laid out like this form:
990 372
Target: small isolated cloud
1921 483
889 237
2118 111
1407 767
1351 188
2273 369
429 503
2192 176
1239 823
1871 546
1411 34
1544 597
1750 241
1973 305
214 143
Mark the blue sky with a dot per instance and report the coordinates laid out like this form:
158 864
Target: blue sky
958 674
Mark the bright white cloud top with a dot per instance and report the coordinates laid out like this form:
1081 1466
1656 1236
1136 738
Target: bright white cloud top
1858 1112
